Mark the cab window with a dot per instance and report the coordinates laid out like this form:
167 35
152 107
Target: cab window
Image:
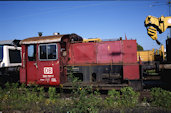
48 52
31 52
1 53
14 56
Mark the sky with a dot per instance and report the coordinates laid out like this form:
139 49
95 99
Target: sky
89 19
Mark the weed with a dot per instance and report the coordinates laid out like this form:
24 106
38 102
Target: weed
52 93
41 93
161 98
113 100
129 97
84 100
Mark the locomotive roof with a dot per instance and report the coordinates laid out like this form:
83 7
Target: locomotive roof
14 42
46 39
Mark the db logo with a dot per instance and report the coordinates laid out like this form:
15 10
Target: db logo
48 70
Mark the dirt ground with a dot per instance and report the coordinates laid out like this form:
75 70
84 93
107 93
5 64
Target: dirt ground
134 110
138 110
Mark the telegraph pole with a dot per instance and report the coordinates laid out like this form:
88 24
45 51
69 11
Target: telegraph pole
169 4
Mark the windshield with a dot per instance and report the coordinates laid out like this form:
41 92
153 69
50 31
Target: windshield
14 56
1 53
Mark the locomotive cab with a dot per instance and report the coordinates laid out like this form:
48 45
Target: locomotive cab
44 58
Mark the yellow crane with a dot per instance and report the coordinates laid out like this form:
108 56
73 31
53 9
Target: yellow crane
92 40
154 25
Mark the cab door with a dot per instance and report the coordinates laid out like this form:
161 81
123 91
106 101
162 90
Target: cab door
31 64
48 64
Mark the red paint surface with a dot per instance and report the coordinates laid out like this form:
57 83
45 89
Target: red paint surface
131 72
45 77
31 72
23 67
109 52
22 75
124 51
83 53
130 68
129 51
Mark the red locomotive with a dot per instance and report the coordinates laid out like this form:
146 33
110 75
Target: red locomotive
106 64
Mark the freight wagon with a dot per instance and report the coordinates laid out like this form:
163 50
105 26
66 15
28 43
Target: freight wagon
150 59
47 60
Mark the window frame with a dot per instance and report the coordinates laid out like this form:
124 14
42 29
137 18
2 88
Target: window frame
47 52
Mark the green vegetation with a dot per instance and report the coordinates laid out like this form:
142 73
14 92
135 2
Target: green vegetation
139 47
161 98
127 99
82 100
151 72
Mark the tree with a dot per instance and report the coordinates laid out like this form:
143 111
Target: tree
139 47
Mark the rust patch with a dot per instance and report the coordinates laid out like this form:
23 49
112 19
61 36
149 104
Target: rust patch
42 39
50 39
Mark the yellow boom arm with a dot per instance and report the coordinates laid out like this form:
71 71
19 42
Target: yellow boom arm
154 24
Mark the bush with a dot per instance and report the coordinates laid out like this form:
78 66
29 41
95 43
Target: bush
161 98
129 97
85 103
113 100
84 99
52 93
